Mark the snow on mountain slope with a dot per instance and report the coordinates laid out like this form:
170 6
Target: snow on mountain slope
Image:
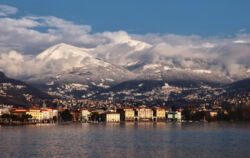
66 63
121 50
68 56
62 59
67 66
163 72
202 71
71 71
62 50
122 37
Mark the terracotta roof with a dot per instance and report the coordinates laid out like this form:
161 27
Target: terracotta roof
19 110
33 109
85 109
125 108
143 108
43 110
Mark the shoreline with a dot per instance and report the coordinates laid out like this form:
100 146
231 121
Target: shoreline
121 122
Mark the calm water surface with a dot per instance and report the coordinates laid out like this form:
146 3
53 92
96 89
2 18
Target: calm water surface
142 140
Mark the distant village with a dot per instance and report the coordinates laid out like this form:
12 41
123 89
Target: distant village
95 112
88 115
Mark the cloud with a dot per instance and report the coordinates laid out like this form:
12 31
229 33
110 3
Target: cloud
6 10
241 41
22 39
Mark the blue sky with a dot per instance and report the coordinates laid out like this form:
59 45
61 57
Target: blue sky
200 17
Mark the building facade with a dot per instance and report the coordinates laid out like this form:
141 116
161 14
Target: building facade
36 114
112 117
174 116
159 114
127 114
18 112
144 114
86 114
4 111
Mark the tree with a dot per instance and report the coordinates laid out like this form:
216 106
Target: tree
66 116
6 117
54 118
25 117
14 117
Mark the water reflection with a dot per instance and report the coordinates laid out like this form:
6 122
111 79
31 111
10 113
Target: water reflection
144 139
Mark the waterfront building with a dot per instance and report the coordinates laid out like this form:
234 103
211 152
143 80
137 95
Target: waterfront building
144 113
45 114
159 114
18 112
127 114
54 113
174 116
86 114
112 117
213 114
98 115
77 115
36 114
49 111
4 111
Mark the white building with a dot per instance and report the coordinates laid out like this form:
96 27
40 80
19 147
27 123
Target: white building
112 117
174 116
145 113
45 114
54 113
4 111
85 115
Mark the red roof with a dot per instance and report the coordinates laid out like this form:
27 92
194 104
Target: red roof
143 108
43 109
33 109
85 109
159 108
18 110
125 108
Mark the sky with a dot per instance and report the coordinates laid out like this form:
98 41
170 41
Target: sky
195 34
199 17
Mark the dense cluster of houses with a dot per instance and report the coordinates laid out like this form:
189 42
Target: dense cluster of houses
143 113
38 114
44 114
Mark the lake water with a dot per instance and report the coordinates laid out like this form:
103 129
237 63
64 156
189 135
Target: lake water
140 140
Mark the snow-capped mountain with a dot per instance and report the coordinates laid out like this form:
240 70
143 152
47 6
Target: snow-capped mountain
72 64
68 68
166 73
69 71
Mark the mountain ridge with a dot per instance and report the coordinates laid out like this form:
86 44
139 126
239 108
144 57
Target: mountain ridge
65 70
19 93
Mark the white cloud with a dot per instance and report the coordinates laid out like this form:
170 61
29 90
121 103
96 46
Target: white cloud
6 10
241 41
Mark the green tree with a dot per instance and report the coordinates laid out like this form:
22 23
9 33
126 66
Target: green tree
6 117
25 117
54 118
66 116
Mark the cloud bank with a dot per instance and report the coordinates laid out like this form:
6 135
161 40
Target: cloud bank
7 10
22 39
